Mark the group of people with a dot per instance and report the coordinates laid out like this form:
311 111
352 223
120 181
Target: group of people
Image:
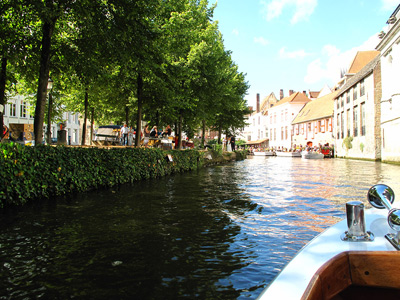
230 143
155 133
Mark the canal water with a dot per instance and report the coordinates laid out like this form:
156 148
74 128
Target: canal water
222 232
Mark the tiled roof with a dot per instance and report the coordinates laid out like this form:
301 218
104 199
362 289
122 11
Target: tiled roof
360 60
368 69
317 109
314 94
294 98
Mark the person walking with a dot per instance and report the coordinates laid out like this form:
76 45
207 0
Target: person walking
124 132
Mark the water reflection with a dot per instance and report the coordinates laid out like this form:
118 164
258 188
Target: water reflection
219 233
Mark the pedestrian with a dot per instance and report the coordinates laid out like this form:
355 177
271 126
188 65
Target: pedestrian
124 132
233 143
146 135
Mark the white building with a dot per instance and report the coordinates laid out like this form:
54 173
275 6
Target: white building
19 111
357 112
280 117
390 101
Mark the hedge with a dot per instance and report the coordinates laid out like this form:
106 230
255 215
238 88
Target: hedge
28 173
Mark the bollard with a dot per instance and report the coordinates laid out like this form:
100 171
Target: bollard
356 223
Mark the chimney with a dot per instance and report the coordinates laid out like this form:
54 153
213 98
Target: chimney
281 94
305 93
291 92
258 103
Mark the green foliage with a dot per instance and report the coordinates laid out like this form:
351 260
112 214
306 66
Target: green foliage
347 142
41 172
362 147
28 173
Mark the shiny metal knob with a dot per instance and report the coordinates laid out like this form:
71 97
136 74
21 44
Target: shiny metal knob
356 223
381 196
394 219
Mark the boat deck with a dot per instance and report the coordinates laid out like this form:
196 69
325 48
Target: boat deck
293 280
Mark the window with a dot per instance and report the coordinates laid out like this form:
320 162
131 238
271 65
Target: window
258 120
270 133
338 125
355 93
338 102
282 133
362 119
348 122
13 110
282 116
286 115
342 125
309 126
347 97
23 109
274 134
275 117
355 120
362 88
286 133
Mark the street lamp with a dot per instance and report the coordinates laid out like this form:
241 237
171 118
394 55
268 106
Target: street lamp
49 89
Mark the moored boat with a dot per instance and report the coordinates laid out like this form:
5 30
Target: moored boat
311 155
288 154
263 153
346 261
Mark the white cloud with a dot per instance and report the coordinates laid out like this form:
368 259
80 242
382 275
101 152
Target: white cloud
303 9
389 4
283 53
235 32
326 68
260 40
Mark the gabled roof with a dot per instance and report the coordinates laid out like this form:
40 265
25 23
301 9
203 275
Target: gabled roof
270 99
368 69
294 98
313 94
317 109
360 60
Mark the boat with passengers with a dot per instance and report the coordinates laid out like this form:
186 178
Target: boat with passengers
355 259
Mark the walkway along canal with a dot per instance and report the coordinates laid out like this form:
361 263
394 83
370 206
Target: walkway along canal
222 232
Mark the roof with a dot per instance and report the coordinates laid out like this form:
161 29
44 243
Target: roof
257 142
368 69
361 59
267 101
294 98
317 109
313 94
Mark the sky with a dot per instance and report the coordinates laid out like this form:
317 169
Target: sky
299 45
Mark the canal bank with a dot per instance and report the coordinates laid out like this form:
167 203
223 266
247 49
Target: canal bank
29 173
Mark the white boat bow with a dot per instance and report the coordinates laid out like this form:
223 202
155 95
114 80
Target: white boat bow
294 280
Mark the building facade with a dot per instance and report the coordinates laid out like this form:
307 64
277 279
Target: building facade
280 118
390 101
357 114
19 111
313 126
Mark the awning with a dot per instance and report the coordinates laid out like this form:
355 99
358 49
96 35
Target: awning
257 142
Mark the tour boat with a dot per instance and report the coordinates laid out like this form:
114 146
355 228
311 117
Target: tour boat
263 153
311 155
288 154
347 261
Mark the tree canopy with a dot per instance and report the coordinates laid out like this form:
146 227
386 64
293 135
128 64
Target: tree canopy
160 61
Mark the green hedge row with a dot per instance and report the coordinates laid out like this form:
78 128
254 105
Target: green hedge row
28 173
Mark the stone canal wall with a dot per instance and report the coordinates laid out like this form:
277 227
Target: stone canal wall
29 173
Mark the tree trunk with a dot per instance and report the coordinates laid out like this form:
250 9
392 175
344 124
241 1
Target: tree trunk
83 142
219 133
127 115
139 111
50 109
91 128
179 146
203 134
3 74
48 29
